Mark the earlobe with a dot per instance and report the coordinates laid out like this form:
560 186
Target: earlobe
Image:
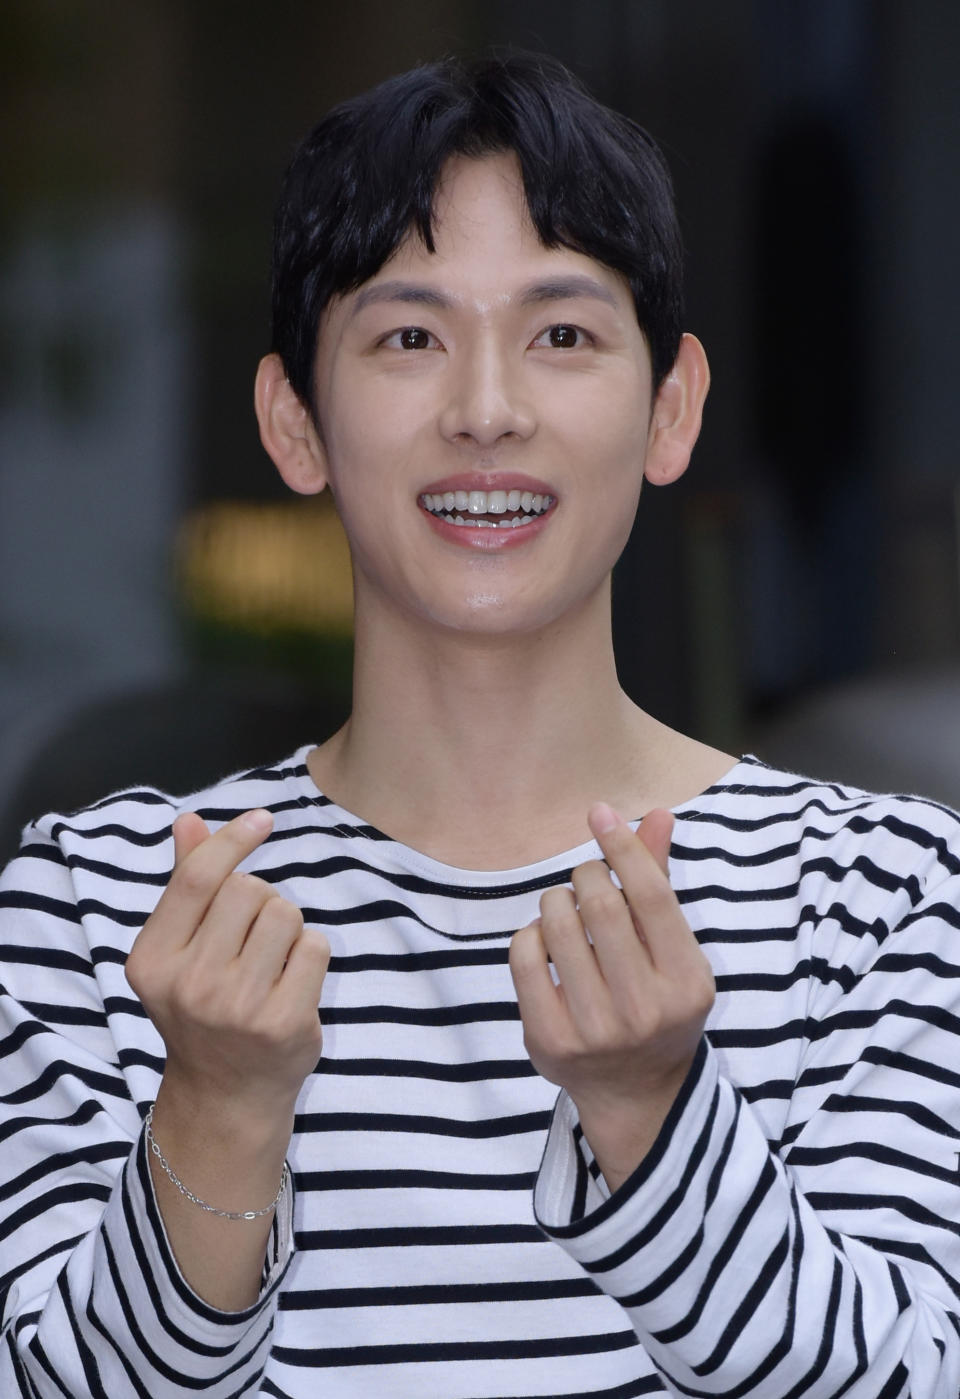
677 414
287 430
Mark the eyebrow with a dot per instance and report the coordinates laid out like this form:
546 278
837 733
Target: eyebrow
564 288
410 292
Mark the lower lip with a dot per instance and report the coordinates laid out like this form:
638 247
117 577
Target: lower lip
488 538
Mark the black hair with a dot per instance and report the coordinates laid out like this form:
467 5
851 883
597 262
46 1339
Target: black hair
367 174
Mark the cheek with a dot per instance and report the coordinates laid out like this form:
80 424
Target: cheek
372 431
611 449
612 459
607 413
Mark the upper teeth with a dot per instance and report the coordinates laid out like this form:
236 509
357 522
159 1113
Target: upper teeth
488 502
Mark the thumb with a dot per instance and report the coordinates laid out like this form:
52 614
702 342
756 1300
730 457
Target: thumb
189 831
655 831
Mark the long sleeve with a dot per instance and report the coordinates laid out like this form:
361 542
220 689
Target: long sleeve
92 1301
825 1262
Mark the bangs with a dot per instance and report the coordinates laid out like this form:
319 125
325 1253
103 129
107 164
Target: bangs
368 174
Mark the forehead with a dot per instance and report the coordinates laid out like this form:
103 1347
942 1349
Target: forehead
485 243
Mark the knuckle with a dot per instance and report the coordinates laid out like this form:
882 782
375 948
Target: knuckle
638 1014
132 968
602 905
145 973
284 914
548 1049
561 932
556 902
602 1028
269 1034
261 887
589 874
246 895
194 876
565 1050
593 1035
248 887
522 966
275 1030
524 952
204 994
316 945
192 995
646 1024
653 899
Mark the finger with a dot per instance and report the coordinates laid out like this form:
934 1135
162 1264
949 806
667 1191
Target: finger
303 976
566 943
656 830
199 875
540 1004
652 901
189 831
619 947
274 931
225 928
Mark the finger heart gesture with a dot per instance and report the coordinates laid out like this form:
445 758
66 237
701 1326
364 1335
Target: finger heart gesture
229 974
618 1020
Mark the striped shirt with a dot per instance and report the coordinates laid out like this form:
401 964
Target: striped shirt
795 1231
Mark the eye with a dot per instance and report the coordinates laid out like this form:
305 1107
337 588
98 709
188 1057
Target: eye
563 337
411 337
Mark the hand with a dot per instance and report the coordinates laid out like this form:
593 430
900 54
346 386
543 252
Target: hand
620 1025
230 977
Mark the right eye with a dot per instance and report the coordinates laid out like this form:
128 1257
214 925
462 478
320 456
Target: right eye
410 337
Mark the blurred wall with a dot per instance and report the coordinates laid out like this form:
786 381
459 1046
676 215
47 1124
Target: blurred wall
814 541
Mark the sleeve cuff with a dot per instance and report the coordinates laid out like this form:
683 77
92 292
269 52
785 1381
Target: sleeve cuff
572 1202
176 1329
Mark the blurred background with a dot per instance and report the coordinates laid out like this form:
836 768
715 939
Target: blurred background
166 614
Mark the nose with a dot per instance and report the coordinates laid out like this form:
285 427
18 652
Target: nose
486 398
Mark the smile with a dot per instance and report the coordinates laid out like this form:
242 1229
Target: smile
487 509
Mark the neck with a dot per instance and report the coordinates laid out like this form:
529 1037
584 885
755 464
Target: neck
486 751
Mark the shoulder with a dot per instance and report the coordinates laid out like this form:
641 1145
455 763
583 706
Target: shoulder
865 855
810 830
128 835
755 797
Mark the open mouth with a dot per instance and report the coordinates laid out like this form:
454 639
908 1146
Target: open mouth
487 509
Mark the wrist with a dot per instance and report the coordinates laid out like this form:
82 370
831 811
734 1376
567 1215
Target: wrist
220 1187
225 1153
157 1159
192 1109
622 1131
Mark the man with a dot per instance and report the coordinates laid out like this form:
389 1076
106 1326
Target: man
748 1183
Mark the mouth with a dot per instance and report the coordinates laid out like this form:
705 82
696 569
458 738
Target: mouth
495 509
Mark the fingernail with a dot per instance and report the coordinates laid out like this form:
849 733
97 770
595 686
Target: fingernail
258 820
602 818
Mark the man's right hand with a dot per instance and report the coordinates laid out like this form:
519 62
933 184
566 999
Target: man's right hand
228 973
231 978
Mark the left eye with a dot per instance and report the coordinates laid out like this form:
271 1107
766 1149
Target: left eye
562 337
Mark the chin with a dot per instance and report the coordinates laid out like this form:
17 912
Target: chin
494 616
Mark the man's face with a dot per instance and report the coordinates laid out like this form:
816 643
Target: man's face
485 412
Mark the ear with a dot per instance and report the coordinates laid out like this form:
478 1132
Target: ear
677 414
287 431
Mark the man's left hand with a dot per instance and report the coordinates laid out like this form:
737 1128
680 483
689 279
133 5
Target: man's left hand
618 1022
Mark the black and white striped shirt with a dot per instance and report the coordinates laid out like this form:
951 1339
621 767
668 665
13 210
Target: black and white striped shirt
795 1230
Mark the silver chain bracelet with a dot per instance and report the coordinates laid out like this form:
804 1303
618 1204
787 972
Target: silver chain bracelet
194 1199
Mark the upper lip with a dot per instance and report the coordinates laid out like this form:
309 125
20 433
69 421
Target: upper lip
489 481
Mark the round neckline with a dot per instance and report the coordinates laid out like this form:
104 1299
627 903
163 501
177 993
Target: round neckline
309 794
